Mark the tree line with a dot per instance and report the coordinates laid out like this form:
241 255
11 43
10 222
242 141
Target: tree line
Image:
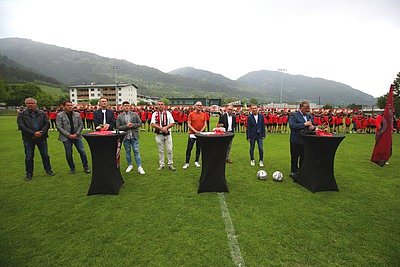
15 94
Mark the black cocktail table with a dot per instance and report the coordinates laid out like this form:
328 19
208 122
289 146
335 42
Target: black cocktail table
317 172
105 151
213 155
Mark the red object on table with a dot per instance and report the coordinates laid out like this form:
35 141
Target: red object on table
322 133
101 133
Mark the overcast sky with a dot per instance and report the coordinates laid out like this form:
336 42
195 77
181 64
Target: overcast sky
355 42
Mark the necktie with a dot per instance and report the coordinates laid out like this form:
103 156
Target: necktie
104 118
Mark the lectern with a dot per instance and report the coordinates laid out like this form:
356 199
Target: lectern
105 150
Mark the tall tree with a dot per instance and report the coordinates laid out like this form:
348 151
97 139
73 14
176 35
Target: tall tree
4 92
381 102
253 101
18 93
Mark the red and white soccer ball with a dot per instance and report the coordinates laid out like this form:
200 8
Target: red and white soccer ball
277 176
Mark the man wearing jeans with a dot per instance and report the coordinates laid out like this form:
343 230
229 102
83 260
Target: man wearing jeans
162 121
130 122
69 126
34 127
255 132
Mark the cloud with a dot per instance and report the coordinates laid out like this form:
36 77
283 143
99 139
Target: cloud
353 42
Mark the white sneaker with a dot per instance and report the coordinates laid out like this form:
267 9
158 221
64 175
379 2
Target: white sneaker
261 163
185 166
130 167
252 163
140 170
197 164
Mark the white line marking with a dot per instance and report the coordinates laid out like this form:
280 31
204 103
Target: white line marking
230 232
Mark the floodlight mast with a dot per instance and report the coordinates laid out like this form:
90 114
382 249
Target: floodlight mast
282 71
115 68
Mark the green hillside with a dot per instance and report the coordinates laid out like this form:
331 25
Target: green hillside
52 90
11 71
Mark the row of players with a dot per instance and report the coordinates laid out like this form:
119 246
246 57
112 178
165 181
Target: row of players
276 122
34 125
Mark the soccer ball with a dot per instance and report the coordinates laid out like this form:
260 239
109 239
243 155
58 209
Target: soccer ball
262 175
277 176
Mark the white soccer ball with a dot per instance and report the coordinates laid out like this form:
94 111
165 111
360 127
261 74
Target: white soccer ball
277 176
262 175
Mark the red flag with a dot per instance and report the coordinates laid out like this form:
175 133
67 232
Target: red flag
383 137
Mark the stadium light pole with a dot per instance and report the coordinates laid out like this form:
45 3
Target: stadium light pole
115 68
282 71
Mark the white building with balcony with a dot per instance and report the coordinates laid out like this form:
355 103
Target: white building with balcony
115 93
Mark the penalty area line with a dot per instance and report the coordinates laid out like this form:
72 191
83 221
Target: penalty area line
230 232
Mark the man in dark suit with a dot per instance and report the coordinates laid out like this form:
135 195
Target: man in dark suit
34 127
228 121
300 120
69 126
255 132
104 116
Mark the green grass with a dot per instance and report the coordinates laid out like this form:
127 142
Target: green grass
52 90
159 220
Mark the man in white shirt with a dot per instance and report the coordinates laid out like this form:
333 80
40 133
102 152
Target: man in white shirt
228 121
162 121
103 117
255 132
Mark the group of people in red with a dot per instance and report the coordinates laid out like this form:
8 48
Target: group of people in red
34 124
179 114
275 121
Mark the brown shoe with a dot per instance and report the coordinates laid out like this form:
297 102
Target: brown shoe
229 161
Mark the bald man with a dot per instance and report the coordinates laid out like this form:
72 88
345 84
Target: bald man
197 122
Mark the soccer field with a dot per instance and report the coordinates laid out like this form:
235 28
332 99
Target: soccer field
158 219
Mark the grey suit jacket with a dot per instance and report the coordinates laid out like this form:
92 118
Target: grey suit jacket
64 126
134 118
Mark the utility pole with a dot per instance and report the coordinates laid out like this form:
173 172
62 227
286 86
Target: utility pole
282 71
115 68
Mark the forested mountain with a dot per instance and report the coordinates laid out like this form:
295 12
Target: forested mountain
73 67
76 67
298 87
267 85
204 75
12 72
